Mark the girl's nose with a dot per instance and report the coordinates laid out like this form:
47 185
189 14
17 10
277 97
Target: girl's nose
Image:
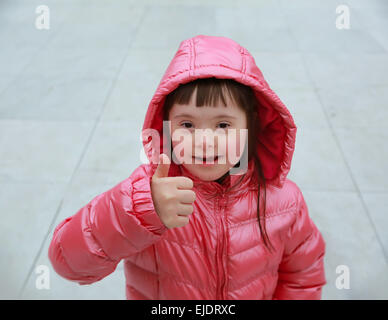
204 141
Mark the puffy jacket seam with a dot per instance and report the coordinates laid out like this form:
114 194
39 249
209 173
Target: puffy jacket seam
252 279
243 223
243 64
296 211
140 292
241 194
75 276
140 267
307 239
292 210
192 57
246 249
61 251
121 227
210 65
179 280
199 250
247 282
64 258
103 255
279 213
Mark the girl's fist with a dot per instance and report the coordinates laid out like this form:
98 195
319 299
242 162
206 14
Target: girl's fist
172 196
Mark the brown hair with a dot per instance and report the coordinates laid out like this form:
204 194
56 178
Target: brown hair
209 92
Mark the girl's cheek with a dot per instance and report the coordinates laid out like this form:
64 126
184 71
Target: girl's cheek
242 140
222 145
183 149
235 146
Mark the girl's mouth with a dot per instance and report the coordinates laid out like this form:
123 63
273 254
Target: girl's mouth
206 161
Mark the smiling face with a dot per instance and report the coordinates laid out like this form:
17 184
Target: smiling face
208 141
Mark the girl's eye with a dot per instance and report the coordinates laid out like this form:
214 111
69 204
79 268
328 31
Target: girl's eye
226 125
184 125
188 125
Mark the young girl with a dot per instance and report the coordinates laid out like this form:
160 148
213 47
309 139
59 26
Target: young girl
192 230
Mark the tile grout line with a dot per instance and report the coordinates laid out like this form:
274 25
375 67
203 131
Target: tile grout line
358 192
97 121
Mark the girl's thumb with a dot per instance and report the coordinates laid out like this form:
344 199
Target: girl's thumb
163 166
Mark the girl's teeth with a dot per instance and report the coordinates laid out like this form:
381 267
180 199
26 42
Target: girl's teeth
206 159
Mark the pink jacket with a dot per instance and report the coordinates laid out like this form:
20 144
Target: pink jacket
219 254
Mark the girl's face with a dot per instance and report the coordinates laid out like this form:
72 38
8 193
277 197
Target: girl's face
201 140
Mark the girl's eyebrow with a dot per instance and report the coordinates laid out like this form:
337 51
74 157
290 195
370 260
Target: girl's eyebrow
186 115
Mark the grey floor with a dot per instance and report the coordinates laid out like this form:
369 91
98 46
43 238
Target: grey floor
73 100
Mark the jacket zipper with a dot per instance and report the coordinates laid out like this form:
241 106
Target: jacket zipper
220 251
224 241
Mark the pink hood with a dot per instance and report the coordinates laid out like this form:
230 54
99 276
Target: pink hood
211 56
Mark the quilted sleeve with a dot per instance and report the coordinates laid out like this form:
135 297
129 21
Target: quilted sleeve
120 222
301 271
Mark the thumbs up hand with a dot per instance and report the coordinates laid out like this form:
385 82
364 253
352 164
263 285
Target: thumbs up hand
172 196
